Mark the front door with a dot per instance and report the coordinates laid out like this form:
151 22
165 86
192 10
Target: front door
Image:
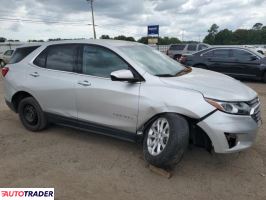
100 100
246 63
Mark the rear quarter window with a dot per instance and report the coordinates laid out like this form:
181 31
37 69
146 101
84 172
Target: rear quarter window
21 53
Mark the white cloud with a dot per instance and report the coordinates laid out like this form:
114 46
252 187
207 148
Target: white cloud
115 17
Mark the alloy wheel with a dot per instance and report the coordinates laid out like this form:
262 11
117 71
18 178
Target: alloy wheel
158 136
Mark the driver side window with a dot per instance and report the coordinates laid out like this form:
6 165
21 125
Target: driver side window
99 61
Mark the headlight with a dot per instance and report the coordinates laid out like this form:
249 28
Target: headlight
238 108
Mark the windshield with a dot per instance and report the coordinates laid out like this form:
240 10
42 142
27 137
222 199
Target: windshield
152 61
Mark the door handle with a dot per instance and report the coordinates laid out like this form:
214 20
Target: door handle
84 83
35 74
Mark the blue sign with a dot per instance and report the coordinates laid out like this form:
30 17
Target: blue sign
153 30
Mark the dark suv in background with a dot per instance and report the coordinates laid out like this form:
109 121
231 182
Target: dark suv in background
233 61
175 51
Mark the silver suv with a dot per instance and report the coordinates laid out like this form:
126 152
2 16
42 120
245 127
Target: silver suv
175 51
133 92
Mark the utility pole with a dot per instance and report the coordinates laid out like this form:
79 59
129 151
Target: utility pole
92 15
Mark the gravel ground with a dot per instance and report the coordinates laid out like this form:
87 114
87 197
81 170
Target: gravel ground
81 165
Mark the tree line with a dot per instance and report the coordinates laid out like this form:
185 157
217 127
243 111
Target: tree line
255 35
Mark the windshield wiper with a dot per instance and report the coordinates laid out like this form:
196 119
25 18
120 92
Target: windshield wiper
165 75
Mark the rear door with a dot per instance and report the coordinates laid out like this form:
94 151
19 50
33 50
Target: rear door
246 63
52 79
100 100
219 60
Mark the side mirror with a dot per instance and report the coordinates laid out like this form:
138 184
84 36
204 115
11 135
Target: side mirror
253 58
123 75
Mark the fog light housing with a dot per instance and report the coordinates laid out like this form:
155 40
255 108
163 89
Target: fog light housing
231 139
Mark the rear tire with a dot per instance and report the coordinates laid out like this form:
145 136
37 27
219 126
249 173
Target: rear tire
31 114
171 143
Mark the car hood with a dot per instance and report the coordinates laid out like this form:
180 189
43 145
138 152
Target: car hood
212 85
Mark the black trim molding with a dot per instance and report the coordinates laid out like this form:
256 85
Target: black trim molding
92 127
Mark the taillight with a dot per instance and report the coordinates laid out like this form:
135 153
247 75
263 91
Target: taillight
4 71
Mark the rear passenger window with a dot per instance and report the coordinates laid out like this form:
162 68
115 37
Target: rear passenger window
62 57
221 53
177 47
192 47
21 53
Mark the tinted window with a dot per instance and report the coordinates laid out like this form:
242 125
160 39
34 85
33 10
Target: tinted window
21 53
208 54
202 46
62 57
177 47
192 47
221 53
240 54
41 59
99 61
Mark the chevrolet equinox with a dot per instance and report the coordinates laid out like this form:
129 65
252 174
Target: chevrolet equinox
130 91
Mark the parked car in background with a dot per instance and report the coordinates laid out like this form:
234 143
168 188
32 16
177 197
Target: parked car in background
237 62
5 57
261 50
176 50
131 91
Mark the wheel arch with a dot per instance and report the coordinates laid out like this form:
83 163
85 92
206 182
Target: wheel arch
17 97
197 136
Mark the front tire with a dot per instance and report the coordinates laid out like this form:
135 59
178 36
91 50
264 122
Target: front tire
166 140
31 114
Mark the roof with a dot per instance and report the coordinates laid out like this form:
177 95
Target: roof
103 42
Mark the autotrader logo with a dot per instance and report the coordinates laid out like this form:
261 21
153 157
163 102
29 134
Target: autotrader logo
26 193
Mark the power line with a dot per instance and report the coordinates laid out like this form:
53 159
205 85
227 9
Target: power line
42 21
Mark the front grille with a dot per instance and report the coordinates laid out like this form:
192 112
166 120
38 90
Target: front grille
255 107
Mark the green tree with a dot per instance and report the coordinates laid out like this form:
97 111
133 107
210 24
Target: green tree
143 40
210 38
2 39
224 37
105 37
122 37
